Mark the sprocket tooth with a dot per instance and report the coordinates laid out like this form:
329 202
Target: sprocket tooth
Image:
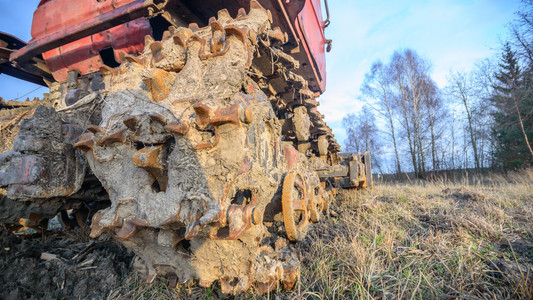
166 35
172 280
158 82
194 27
176 239
269 16
97 228
197 38
151 277
158 118
157 51
203 114
180 128
252 36
246 280
178 40
290 275
228 114
130 227
223 15
133 59
131 122
216 26
239 32
175 218
95 129
241 13
277 35
148 39
218 38
121 55
150 159
185 32
181 36
226 286
192 230
117 137
85 143
172 29
108 74
254 5
211 20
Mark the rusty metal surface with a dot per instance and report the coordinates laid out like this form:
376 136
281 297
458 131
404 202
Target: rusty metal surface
26 169
358 170
310 26
83 55
75 31
294 201
32 71
43 163
302 19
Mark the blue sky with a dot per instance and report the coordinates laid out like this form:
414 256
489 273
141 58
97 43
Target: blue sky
452 34
449 33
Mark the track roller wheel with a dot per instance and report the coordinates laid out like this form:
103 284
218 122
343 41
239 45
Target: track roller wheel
294 205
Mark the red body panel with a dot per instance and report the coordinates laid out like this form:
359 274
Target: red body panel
73 19
83 54
309 25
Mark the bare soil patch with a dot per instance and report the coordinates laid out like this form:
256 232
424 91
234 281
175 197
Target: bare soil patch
60 266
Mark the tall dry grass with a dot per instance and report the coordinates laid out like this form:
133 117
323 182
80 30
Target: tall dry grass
471 239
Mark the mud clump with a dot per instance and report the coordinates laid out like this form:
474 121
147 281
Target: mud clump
56 266
463 194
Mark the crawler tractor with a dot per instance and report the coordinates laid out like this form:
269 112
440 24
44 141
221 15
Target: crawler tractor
188 130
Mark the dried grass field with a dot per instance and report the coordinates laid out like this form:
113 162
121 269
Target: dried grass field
471 239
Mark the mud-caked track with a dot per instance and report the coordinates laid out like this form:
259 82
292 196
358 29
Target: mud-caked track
206 145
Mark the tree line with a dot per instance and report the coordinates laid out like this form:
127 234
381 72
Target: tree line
482 119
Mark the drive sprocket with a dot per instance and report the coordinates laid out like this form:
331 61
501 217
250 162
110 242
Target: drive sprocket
192 155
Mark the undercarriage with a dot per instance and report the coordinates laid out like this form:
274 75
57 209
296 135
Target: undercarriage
200 155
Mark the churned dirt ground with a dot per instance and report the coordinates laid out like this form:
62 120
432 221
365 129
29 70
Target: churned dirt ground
471 239
60 266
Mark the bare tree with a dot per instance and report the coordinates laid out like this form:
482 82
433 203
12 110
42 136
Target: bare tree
363 134
377 86
522 31
485 81
435 114
462 88
409 76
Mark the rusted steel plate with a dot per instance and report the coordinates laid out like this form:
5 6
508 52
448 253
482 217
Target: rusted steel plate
23 169
131 11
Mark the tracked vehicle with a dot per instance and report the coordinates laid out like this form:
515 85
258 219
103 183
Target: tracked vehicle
188 130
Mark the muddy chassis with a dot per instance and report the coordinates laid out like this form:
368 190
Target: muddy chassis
205 155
